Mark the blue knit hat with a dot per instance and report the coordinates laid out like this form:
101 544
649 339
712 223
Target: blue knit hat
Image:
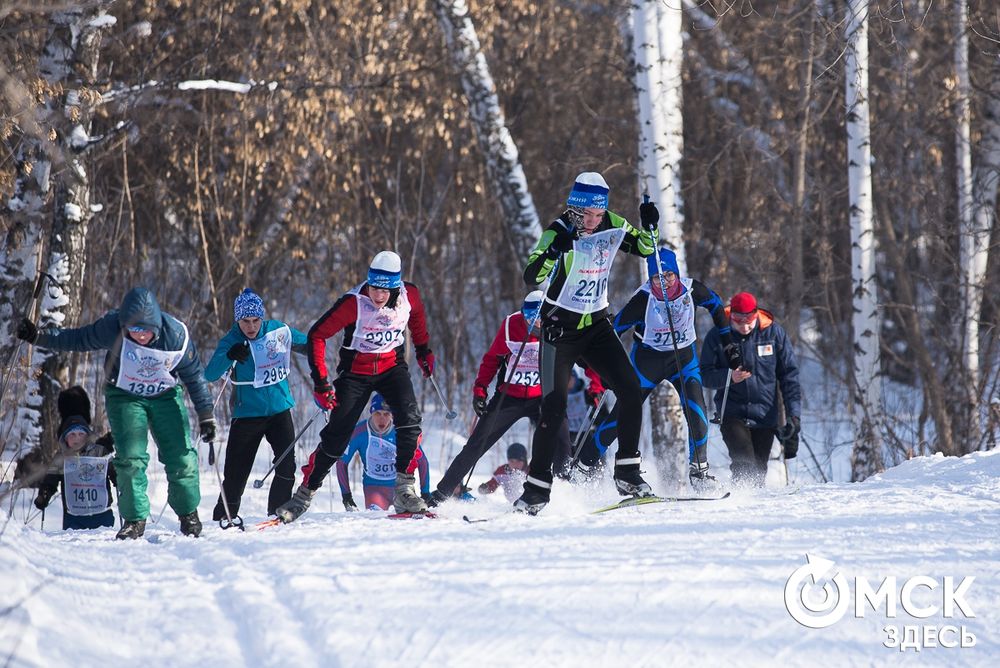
531 305
668 260
378 403
248 305
386 271
517 451
590 191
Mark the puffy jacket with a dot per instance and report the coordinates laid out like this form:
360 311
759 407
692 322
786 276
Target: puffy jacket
768 356
139 309
247 400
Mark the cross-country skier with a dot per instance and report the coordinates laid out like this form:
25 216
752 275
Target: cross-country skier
259 352
519 398
374 317
82 468
148 352
655 357
511 475
583 397
374 442
750 419
578 250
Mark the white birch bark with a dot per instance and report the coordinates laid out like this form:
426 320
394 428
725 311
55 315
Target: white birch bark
963 160
866 402
503 163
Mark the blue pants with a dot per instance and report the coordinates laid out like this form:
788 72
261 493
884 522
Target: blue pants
105 519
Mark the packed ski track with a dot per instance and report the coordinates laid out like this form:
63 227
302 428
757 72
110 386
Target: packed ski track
658 585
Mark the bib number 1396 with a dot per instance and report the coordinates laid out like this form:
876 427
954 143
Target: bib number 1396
146 389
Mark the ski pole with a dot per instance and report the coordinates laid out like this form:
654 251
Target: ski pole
32 299
257 484
451 414
225 505
725 395
670 321
42 528
228 376
581 438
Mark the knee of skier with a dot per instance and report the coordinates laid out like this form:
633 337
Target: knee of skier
554 406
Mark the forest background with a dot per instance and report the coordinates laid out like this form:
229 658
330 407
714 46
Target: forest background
200 147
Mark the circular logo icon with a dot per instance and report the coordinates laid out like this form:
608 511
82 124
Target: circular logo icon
812 605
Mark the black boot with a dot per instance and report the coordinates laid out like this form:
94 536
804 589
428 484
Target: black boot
533 499
629 482
190 524
298 504
131 530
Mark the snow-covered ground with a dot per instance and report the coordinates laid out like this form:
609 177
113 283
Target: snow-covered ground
670 584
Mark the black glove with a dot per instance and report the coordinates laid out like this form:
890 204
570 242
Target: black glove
240 352
788 436
734 356
563 243
26 331
649 216
349 504
44 497
479 405
207 428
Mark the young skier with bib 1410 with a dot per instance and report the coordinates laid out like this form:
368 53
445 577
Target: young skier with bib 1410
577 250
148 351
663 353
374 317
259 354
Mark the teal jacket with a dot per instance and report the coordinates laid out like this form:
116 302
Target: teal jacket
139 308
248 401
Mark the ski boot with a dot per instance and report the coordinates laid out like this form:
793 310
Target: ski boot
533 499
629 482
436 499
298 504
405 500
699 476
190 524
131 530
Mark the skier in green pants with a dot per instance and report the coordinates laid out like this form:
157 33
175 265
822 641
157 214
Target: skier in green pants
148 351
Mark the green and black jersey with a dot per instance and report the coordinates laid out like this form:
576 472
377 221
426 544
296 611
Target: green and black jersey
579 288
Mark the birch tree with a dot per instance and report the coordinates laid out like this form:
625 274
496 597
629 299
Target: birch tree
866 458
503 164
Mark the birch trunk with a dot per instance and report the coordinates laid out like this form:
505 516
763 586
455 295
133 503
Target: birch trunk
866 458
503 163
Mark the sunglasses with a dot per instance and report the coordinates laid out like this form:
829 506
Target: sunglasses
137 330
743 318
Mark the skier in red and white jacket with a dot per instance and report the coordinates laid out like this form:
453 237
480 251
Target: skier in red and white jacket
374 318
522 395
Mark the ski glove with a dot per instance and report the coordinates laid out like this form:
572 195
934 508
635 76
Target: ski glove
791 447
593 398
563 241
734 356
349 504
649 216
240 352
425 358
324 395
207 428
44 498
479 405
26 331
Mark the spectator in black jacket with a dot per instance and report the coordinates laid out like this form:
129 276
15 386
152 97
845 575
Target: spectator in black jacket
750 417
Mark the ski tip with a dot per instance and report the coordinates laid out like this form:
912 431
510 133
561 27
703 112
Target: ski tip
268 523
412 516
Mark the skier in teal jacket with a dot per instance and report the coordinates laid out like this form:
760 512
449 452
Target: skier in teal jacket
259 353
148 352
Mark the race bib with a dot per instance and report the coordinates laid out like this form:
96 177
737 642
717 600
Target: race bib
586 286
145 372
576 410
380 461
272 357
765 350
657 333
379 330
85 484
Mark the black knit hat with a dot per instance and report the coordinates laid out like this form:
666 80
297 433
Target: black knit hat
74 410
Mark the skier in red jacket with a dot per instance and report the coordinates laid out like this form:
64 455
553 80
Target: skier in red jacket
374 317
